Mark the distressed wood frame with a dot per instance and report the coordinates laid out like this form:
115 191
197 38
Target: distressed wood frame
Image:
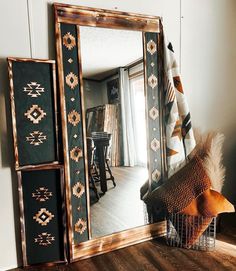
13 111
22 215
84 16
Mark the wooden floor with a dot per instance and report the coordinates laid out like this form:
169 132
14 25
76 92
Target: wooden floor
155 255
121 207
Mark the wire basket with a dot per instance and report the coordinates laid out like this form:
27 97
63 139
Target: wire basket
191 232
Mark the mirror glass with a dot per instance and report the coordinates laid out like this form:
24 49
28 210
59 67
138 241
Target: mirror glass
113 85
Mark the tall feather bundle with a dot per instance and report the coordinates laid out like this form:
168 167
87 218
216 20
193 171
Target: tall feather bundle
213 161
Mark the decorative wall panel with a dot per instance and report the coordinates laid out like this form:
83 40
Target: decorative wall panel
153 107
73 138
42 215
33 101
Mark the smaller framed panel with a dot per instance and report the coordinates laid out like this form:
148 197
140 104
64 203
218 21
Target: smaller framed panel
34 111
43 232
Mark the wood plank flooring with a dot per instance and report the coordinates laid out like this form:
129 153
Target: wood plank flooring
121 207
157 256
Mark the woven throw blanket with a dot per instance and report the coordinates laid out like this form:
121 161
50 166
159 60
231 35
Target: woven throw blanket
179 132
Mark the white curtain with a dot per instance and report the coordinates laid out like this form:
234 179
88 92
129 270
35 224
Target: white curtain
139 120
133 124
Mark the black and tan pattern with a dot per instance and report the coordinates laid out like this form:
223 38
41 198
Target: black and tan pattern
44 239
151 47
80 226
69 41
36 138
33 89
42 194
78 190
34 107
72 80
76 153
73 114
74 118
35 114
43 217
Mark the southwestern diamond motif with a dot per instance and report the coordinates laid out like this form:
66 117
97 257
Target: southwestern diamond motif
80 226
155 145
44 239
35 114
78 189
151 47
36 138
43 217
153 113
156 174
72 80
76 153
69 41
42 194
74 117
152 81
34 90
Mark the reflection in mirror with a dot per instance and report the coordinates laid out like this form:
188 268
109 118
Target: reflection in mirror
113 82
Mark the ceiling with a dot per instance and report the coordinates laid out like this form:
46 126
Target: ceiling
104 50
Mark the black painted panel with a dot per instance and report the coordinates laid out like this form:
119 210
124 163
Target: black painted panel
42 194
34 104
74 132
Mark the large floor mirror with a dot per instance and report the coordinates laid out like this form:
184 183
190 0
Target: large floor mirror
113 82
110 81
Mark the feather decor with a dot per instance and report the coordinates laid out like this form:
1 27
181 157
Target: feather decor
213 160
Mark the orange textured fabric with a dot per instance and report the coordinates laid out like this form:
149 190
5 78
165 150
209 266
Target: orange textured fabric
184 186
209 204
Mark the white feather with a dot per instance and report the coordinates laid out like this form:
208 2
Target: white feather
213 162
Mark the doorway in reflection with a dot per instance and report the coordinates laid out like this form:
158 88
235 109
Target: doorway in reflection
113 82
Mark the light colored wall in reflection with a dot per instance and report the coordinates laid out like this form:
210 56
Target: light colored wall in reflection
204 41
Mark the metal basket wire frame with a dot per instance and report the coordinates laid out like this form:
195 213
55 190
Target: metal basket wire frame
184 231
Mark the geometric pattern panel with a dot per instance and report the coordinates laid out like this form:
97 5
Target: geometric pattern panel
35 119
153 105
78 189
44 239
74 118
73 114
43 215
35 114
151 47
36 138
69 41
33 89
42 194
80 226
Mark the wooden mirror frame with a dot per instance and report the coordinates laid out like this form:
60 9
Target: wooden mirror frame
68 20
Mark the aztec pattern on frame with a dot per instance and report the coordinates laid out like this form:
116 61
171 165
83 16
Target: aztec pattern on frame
153 107
74 132
43 215
34 112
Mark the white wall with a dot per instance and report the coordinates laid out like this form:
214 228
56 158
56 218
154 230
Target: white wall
208 58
